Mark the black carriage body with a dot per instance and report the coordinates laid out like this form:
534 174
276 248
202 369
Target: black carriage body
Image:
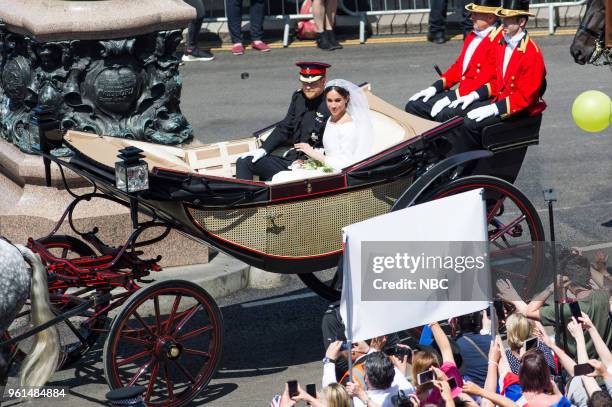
296 227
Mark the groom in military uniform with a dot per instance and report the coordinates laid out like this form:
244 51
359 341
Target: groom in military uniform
304 123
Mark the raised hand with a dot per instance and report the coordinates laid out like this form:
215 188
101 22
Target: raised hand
507 292
575 329
333 350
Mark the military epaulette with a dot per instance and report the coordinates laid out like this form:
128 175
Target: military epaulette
534 45
494 33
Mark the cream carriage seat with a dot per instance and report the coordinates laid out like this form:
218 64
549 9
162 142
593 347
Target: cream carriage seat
391 126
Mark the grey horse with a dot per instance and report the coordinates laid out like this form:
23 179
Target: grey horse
17 283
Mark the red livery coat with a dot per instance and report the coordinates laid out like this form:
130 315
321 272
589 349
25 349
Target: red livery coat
521 86
480 70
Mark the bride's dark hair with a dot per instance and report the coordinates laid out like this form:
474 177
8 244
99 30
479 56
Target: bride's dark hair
343 92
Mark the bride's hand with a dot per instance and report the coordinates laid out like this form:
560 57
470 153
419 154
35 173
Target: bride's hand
304 148
297 164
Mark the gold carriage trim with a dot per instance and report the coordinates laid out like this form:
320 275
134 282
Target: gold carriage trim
303 228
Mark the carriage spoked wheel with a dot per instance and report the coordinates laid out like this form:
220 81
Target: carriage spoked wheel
78 333
166 337
513 227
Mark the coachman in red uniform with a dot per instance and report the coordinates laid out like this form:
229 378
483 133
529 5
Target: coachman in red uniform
520 75
474 68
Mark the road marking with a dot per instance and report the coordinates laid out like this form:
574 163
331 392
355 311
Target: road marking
277 300
391 40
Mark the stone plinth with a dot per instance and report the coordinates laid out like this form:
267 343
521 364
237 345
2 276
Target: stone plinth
107 67
60 20
30 209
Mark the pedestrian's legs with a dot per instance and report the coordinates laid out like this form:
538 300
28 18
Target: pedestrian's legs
330 13
467 24
256 19
437 17
234 20
318 11
193 30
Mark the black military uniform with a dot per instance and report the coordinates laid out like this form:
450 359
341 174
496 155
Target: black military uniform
304 123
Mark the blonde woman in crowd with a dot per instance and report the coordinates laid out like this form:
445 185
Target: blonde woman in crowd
520 329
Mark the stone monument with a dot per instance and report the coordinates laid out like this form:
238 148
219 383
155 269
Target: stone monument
104 66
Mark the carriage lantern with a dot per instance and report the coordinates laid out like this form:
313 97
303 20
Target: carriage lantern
131 172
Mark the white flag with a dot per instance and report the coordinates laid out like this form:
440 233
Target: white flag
458 218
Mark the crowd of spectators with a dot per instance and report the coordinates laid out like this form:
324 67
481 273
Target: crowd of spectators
460 363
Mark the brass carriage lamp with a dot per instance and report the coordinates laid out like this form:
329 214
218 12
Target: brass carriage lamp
131 172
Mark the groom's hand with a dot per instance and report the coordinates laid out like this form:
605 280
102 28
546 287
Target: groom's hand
256 154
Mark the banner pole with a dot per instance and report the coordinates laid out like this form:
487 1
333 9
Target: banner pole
347 289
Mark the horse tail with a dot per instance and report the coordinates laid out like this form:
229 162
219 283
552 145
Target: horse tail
42 360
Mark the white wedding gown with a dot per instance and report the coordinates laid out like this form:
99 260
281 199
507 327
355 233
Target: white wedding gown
341 148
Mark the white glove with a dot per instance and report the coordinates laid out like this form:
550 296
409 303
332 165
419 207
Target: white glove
466 100
426 94
256 154
439 105
481 113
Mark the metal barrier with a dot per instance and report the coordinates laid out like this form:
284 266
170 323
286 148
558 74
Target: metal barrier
551 5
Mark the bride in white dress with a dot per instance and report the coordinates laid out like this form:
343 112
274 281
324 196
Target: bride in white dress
347 138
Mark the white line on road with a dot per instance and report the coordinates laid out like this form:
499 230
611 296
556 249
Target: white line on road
277 300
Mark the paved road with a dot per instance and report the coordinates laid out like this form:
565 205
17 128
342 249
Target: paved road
271 342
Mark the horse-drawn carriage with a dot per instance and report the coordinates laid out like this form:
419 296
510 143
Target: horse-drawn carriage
168 336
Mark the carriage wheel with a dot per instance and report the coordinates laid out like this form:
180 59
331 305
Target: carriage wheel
513 221
324 287
514 225
80 332
166 337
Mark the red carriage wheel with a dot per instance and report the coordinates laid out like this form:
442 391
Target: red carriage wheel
166 337
78 333
514 226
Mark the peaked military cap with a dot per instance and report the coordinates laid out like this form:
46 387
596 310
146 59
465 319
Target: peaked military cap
312 71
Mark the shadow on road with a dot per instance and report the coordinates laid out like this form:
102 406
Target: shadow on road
265 339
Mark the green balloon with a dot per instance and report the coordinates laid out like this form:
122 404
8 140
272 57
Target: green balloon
592 111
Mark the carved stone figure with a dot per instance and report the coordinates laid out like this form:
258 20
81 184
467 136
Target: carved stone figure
126 87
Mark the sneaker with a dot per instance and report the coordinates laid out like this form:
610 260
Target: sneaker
237 49
197 54
260 46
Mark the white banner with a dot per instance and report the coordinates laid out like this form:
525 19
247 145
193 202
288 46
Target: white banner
458 218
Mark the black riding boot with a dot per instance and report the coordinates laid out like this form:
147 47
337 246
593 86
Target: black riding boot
331 36
323 41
